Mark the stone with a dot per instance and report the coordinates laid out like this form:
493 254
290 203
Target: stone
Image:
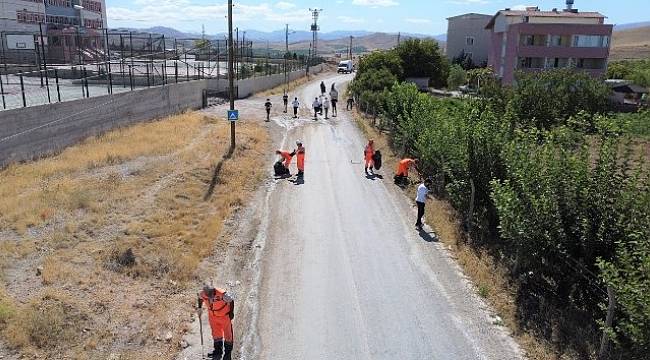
39 271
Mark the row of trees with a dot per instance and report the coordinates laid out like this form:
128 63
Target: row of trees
561 193
637 71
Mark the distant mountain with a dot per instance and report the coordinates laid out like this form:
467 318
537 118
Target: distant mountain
631 26
370 42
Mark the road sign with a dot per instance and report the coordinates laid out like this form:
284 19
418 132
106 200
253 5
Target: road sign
233 115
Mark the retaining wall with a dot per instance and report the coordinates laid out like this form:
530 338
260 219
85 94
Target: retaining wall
35 131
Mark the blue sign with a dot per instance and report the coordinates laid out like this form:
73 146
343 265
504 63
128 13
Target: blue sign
233 115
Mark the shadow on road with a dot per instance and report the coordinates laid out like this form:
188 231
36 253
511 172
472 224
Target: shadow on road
374 177
428 236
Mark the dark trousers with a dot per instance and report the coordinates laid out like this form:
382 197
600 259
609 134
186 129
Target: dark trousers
222 348
285 106
295 111
268 114
420 213
349 106
334 111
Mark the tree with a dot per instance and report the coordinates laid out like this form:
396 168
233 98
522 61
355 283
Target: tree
423 58
382 59
457 77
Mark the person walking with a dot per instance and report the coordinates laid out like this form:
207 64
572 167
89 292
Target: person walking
334 97
420 199
285 100
326 107
350 104
296 104
315 105
221 310
320 104
323 88
402 174
368 152
268 107
299 152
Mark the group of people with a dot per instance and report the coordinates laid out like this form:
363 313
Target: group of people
321 105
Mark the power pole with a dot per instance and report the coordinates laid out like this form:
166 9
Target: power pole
314 29
350 49
399 35
231 75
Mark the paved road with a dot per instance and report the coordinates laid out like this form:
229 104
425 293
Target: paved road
344 274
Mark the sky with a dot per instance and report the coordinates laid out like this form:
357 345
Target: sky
409 16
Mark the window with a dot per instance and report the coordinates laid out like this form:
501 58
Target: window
469 55
532 40
531 63
590 64
469 40
590 41
557 63
560 40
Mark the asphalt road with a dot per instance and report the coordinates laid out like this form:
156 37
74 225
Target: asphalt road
344 274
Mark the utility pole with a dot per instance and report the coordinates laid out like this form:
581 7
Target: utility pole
314 29
286 56
350 49
231 75
399 35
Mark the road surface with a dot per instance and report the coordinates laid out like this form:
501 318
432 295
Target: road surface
344 274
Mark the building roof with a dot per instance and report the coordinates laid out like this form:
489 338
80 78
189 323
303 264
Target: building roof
469 14
630 89
540 13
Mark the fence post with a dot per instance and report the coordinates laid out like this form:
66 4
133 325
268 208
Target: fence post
148 83
86 80
56 79
22 88
131 77
611 307
2 90
176 70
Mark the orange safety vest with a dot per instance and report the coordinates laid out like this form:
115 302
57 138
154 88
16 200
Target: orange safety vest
403 166
287 157
300 152
219 315
369 151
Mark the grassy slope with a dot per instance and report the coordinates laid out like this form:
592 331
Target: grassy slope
631 44
74 216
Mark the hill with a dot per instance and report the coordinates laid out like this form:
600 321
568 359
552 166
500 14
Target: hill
631 44
373 41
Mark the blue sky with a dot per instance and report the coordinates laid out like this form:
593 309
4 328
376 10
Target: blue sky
425 16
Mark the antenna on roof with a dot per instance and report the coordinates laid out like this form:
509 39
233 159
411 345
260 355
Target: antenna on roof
569 6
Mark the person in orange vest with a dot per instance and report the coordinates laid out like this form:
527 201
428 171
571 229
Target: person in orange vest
220 307
282 169
402 174
368 152
300 153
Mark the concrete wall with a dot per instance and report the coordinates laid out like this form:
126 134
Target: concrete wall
36 131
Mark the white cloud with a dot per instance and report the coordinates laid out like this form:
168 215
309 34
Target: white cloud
469 2
283 5
521 7
350 20
375 3
417 21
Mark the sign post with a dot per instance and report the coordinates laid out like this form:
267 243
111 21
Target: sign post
233 115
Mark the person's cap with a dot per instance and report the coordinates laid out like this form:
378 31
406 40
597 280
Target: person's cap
298 142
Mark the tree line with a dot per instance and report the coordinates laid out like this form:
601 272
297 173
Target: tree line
561 189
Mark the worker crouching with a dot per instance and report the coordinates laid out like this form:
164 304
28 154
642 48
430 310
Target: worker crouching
281 167
402 174
221 310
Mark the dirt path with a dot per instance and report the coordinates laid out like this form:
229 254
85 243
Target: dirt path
332 267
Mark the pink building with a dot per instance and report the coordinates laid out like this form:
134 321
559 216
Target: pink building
533 40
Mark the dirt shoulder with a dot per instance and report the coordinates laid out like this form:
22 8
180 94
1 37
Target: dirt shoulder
101 244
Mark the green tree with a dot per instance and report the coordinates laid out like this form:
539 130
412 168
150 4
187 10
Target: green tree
381 60
423 58
457 77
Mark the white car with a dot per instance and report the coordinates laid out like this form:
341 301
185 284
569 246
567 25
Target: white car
345 67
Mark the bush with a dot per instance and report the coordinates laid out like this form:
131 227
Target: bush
423 58
457 77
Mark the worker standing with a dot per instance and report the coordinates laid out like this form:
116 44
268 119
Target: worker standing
334 97
296 105
326 107
221 310
315 105
323 88
285 100
299 152
350 104
268 106
368 152
420 198
402 174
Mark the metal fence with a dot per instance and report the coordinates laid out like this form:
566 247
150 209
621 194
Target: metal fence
75 66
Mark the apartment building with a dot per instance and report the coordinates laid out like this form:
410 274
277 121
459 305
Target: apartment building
64 23
467 35
533 40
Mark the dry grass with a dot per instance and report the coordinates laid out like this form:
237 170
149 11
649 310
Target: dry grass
631 44
490 279
139 190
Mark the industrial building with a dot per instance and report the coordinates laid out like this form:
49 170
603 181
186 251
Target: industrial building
71 30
